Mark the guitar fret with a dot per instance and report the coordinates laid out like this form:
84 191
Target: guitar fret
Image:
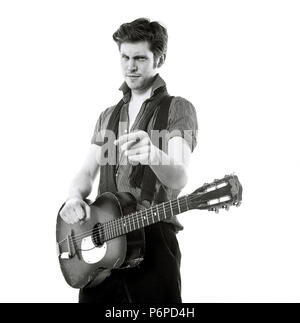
107 231
164 210
138 221
133 223
129 224
152 215
120 227
187 206
171 208
112 231
157 212
115 232
124 227
116 229
142 218
104 232
147 218
107 227
178 206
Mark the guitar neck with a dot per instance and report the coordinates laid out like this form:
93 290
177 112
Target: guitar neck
143 218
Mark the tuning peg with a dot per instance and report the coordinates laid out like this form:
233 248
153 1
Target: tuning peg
216 210
226 207
238 204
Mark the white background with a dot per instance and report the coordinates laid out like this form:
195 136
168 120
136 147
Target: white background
236 61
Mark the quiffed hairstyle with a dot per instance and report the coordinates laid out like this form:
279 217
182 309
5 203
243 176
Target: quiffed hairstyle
143 30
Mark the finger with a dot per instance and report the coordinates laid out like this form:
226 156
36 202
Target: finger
137 145
65 214
130 144
67 218
137 151
141 158
80 212
130 136
87 212
72 216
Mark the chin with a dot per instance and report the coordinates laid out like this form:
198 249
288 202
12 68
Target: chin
135 87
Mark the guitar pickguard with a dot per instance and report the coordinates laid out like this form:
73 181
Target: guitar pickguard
90 253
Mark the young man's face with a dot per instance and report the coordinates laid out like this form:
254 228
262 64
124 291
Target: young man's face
138 65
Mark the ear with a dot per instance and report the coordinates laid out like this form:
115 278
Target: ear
161 60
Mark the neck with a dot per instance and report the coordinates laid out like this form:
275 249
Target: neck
144 93
143 218
141 95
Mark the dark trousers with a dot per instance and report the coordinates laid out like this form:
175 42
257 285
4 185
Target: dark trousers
155 280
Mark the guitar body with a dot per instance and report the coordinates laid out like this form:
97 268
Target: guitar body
84 259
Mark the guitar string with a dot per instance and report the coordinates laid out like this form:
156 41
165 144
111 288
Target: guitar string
115 229
111 227
130 218
134 218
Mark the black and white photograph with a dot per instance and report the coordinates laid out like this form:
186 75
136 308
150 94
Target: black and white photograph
149 153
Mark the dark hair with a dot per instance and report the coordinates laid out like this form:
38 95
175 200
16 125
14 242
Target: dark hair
143 30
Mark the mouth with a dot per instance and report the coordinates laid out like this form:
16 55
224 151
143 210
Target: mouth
133 76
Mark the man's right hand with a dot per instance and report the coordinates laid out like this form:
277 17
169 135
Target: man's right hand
75 210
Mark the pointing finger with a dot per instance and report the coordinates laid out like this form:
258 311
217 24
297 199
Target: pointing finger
130 136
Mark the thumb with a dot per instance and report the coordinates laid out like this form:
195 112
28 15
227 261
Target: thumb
87 210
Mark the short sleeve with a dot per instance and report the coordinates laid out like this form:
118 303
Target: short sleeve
101 125
183 121
96 131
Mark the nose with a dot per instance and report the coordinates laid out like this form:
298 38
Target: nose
132 66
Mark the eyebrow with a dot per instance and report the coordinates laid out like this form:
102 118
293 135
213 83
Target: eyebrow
136 56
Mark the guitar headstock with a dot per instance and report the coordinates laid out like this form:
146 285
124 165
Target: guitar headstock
221 193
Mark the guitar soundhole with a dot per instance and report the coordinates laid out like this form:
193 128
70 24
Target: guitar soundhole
97 235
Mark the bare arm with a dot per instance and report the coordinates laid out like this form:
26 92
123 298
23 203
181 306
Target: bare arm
82 183
75 209
171 169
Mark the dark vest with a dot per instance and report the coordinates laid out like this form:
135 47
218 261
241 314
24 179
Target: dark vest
142 175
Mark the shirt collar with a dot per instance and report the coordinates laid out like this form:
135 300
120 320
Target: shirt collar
157 83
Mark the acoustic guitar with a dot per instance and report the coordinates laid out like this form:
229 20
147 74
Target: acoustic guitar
113 237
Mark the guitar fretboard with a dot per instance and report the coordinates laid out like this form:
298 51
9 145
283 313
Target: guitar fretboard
143 218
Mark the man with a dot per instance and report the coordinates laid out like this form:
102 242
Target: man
142 45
